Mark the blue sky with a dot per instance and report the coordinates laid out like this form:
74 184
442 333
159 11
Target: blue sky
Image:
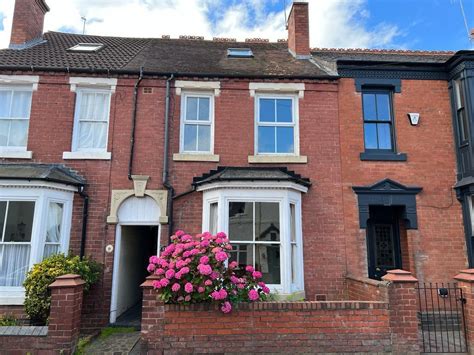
401 24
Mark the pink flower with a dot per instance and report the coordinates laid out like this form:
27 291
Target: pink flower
226 307
188 287
187 298
179 233
223 293
240 286
221 235
204 260
170 274
234 280
156 284
205 243
228 246
186 238
214 275
208 283
221 256
253 295
164 282
151 267
249 268
154 259
219 241
265 290
201 289
187 254
219 295
216 250
159 271
195 252
233 265
261 284
180 299
163 263
184 270
180 264
178 275
204 269
257 275
175 287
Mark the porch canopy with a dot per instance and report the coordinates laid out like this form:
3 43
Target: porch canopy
55 173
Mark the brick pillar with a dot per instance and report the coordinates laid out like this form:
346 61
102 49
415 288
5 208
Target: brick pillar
403 305
65 315
153 311
465 280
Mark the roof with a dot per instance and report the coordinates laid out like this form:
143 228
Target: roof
251 174
43 172
162 55
382 55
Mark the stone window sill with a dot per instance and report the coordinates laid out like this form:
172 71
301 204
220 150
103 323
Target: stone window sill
278 159
196 157
16 154
371 156
87 155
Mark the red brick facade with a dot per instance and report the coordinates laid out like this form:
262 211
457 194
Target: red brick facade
28 21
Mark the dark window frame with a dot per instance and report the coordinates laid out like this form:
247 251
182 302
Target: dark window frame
460 108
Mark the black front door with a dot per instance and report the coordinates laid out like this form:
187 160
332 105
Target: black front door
383 241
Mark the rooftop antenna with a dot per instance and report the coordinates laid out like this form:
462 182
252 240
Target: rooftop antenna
84 20
470 34
284 8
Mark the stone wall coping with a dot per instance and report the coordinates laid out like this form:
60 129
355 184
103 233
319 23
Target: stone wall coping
465 275
68 280
22 331
368 281
283 306
149 281
399 276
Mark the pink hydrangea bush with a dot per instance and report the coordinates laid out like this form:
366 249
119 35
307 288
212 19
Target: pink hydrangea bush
197 269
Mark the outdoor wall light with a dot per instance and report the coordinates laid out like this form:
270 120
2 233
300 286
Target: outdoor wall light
414 118
443 292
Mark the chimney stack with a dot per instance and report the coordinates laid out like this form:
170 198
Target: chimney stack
298 30
28 22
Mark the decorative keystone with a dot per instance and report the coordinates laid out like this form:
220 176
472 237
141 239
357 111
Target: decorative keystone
149 281
139 184
399 276
465 275
69 280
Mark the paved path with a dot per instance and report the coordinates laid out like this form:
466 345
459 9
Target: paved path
115 344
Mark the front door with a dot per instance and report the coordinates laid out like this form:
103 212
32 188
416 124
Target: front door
383 242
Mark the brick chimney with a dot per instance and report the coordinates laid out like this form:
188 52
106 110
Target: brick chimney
298 30
28 22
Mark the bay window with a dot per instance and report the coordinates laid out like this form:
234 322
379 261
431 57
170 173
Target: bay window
34 224
264 228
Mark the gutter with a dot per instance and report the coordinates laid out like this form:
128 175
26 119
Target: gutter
134 123
166 182
85 215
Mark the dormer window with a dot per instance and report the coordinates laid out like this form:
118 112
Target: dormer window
86 47
239 53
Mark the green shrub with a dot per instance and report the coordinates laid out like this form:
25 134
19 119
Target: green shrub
8 321
38 297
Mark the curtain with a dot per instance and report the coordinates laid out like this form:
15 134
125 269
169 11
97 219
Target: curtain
53 231
14 259
213 218
93 120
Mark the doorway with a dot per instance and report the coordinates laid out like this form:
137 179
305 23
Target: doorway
134 246
383 241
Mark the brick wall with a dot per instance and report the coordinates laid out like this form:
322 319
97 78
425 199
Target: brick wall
436 250
365 289
28 20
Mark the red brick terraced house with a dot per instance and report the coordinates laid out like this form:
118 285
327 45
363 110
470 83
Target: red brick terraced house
318 163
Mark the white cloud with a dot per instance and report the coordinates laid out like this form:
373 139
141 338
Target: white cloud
334 23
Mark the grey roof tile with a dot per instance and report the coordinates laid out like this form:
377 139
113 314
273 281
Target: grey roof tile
46 172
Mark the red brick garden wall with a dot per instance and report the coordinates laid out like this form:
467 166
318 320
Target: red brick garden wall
365 289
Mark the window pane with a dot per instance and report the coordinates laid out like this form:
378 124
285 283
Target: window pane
50 249
100 137
284 110
267 261
100 107
241 221
243 254
383 107
3 209
370 112
21 104
213 218
267 221
285 140
292 223
86 111
190 138
5 101
191 108
14 264
385 137
55 218
463 126
267 110
4 128
204 105
266 139
293 242
18 133
19 221
204 141
370 135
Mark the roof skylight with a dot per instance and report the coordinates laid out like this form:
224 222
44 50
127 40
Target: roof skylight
86 47
239 53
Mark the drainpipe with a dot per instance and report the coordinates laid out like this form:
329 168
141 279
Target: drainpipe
134 123
85 215
166 182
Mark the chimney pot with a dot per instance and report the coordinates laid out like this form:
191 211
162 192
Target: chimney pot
298 30
28 22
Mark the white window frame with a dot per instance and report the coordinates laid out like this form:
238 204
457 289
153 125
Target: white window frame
183 121
23 83
224 194
42 194
294 124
